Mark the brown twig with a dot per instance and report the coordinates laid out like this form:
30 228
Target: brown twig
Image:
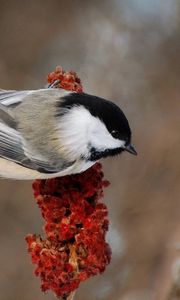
71 296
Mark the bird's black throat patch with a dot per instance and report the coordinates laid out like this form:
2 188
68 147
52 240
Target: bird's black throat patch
96 155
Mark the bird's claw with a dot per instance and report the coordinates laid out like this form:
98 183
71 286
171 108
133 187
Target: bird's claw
54 84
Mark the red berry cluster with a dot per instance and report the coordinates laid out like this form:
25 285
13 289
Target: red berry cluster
67 80
74 247
75 227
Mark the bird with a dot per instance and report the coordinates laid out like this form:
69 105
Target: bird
52 132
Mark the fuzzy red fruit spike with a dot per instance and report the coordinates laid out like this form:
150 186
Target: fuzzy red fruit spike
68 80
76 223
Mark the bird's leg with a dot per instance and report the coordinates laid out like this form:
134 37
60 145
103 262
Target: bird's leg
54 84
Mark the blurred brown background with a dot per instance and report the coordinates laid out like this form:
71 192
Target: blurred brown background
127 51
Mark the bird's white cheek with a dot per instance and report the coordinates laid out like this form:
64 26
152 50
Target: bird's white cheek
79 131
104 141
101 139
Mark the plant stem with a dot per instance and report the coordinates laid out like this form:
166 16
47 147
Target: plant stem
71 296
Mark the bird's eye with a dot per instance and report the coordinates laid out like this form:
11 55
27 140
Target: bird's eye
115 134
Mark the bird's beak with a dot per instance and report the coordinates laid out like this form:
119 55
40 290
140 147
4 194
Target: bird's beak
129 148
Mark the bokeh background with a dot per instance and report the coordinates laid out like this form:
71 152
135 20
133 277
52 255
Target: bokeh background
127 51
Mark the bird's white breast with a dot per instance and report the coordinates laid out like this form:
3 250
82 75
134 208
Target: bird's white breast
11 170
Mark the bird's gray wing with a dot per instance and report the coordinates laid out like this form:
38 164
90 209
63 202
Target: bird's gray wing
12 98
12 146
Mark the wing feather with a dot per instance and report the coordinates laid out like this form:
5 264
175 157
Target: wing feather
12 146
12 98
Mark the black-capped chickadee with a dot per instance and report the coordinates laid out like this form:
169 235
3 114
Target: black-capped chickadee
52 132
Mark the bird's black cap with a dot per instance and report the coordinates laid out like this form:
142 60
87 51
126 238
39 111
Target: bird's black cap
107 111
